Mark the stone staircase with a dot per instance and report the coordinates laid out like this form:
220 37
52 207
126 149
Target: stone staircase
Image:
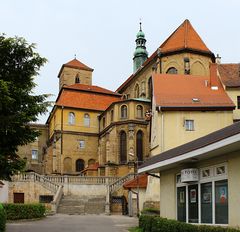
73 204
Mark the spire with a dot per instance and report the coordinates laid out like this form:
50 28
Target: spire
140 54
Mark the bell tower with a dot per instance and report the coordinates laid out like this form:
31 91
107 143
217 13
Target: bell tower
75 72
140 54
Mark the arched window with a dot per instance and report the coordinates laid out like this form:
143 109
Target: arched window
150 88
86 120
80 164
139 145
123 147
124 111
172 70
139 111
77 79
71 118
136 91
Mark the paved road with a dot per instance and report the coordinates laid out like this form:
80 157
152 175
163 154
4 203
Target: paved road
75 223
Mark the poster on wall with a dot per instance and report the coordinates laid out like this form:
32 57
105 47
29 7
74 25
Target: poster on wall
206 198
223 194
182 197
193 196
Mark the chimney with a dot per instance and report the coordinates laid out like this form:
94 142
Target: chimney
214 82
218 59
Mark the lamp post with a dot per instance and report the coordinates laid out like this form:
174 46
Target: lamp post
135 160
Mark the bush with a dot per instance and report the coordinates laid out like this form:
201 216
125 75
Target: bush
24 211
2 219
150 211
157 224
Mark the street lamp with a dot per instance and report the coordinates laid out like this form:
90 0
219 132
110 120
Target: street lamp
135 160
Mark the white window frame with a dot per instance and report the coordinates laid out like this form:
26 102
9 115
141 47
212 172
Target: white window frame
86 120
212 179
189 124
71 118
81 144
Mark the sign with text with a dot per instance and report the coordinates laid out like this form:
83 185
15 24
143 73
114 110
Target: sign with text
189 175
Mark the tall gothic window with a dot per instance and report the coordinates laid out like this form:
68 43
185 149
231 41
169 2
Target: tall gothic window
139 111
112 115
150 88
124 111
139 145
86 120
136 91
80 164
172 70
123 147
71 118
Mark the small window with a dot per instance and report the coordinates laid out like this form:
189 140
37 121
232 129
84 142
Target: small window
136 92
189 125
81 144
172 70
221 170
238 102
45 198
86 120
77 79
71 118
124 111
34 154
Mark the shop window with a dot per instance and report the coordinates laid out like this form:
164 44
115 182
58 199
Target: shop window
181 204
189 125
206 203
221 202
34 154
71 118
124 111
86 120
193 203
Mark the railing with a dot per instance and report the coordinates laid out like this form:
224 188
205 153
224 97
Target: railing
82 179
32 176
119 183
57 199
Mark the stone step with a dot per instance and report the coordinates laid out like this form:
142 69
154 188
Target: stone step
72 204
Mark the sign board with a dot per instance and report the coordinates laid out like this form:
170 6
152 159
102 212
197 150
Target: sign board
189 175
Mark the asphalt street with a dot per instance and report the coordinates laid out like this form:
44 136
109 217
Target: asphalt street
75 223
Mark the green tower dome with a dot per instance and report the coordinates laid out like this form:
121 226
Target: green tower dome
140 54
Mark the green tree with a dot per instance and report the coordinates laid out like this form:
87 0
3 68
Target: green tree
19 64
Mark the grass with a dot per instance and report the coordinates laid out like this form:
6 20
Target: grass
135 229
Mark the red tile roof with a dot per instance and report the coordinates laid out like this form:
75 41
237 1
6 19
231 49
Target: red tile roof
184 37
230 74
184 91
91 88
75 64
140 181
86 97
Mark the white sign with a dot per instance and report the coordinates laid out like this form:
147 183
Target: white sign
189 175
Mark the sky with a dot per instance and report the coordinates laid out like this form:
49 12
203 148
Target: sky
102 33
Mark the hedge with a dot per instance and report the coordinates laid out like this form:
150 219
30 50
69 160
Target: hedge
157 224
2 219
24 211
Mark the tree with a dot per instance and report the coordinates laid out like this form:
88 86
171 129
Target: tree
19 64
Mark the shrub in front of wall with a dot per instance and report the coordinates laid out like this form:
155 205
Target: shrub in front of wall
150 211
157 224
24 211
2 219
